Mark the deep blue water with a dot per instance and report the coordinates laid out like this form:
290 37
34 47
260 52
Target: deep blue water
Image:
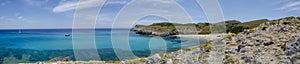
44 44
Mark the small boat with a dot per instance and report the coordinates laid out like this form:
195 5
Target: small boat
67 35
20 31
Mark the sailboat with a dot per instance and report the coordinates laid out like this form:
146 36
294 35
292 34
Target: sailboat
20 31
67 35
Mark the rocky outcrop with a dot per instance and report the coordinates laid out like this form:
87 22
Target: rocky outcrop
152 32
269 43
60 59
293 47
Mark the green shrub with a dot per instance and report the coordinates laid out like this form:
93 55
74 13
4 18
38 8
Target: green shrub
249 31
229 36
285 23
263 27
235 29
228 59
207 46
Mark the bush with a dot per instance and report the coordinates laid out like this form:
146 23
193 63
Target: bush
207 47
228 59
286 23
263 27
250 31
235 29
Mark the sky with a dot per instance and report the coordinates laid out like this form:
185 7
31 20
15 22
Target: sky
47 14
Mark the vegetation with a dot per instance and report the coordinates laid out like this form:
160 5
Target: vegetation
137 60
228 59
232 26
283 46
249 31
253 24
229 36
235 29
207 47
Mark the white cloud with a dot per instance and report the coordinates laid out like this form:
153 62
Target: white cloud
290 6
117 2
106 18
159 1
72 5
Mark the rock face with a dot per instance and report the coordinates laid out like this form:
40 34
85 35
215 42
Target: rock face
153 32
60 59
293 47
154 59
269 43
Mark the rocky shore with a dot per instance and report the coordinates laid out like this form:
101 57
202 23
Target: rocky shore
153 32
269 43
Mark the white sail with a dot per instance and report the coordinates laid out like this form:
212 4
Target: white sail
20 31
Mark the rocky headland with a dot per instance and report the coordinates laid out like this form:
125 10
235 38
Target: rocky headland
269 43
171 29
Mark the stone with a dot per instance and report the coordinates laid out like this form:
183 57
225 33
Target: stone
243 50
153 59
268 43
293 47
247 59
296 59
240 47
198 51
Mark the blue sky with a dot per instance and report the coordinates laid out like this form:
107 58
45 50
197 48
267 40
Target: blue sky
39 14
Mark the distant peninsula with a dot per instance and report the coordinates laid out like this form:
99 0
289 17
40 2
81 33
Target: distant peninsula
168 29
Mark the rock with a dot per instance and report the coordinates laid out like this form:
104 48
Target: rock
153 59
293 47
296 59
250 44
55 59
60 59
143 32
276 40
198 51
240 47
229 52
66 58
268 43
247 59
244 49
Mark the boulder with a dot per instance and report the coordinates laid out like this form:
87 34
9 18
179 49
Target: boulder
293 47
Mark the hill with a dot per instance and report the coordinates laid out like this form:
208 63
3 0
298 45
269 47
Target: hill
166 28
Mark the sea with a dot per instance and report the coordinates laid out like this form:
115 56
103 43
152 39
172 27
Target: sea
33 45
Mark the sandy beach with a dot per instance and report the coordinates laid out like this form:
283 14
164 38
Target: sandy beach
208 37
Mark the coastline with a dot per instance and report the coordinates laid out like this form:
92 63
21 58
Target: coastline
209 37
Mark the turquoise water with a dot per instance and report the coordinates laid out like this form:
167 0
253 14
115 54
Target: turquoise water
51 43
